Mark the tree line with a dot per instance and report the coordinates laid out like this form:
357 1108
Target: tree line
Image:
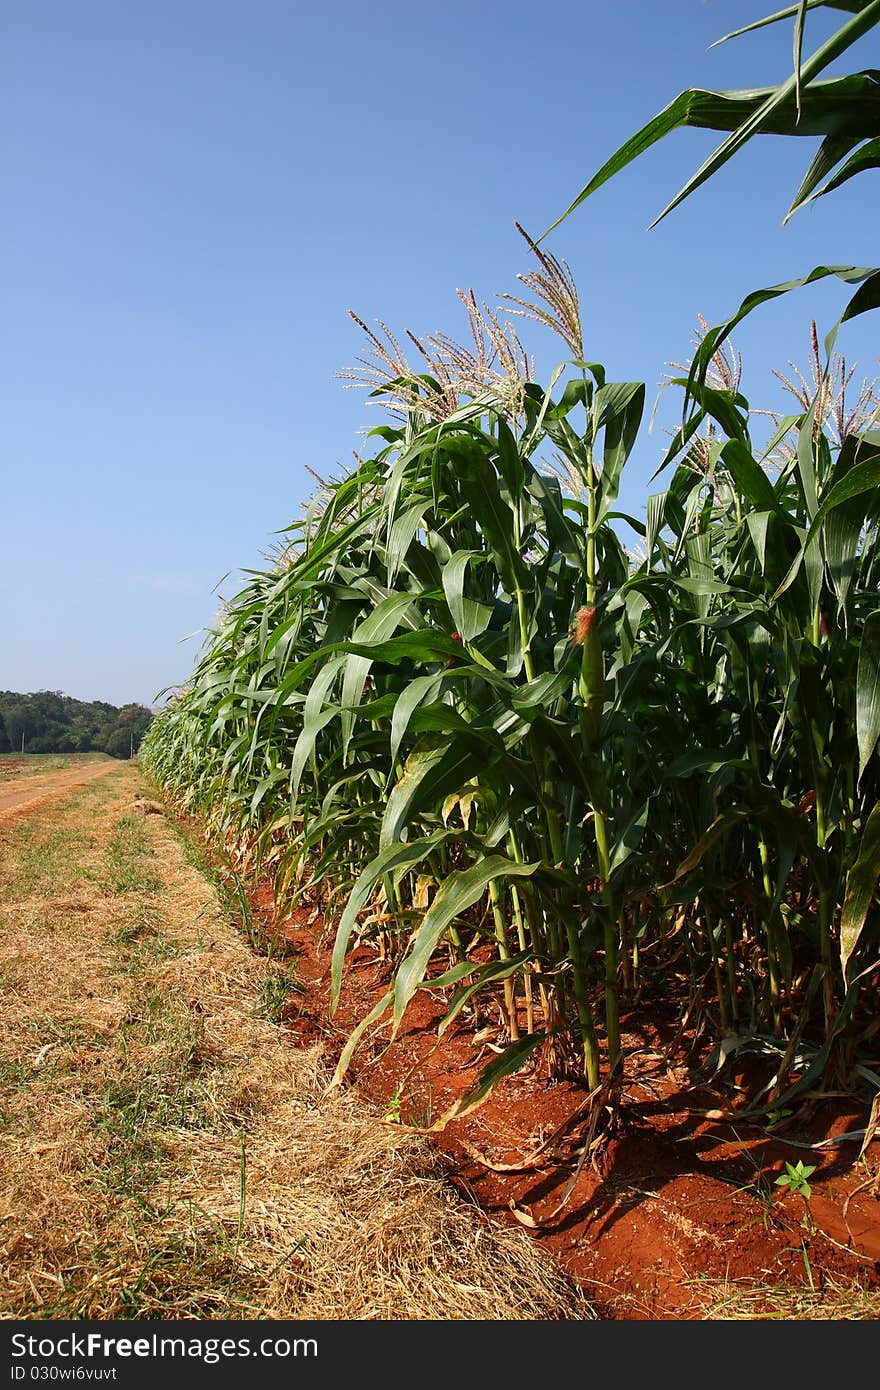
47 721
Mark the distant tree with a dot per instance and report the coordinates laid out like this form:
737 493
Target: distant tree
52 722
136 720
118 745
15 715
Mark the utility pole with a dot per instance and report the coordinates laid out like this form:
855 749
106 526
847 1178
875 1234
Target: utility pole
22 742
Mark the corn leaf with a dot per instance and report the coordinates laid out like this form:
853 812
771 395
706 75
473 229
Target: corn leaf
456 894
861 886
868 691
387 862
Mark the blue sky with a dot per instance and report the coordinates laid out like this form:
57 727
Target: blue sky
195 192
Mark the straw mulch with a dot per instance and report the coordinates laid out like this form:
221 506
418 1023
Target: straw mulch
166 1151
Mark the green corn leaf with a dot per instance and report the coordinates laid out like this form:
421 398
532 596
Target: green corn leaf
758 524
655 513
565 743
618 407
491 973
456 973
479 487
440 718
540 693
834 104
376 627
861 886
565 538
850 6
868 691
410 784
424 644
578 391
867 157
830 152
699 563
510 464
727 407
703 761
798 54
471 616
310 565
699 587
419 690
805 461
456 894
378 709
708 840
816 1067
431 772
315 718
387 862
787 423
402 534
749 476
630 838
842 534
265 785
862 478
814 570
865 298
533 397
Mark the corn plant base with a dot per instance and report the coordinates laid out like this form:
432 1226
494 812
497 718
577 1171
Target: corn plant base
678 1216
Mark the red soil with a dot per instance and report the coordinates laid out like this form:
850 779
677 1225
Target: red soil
678 1204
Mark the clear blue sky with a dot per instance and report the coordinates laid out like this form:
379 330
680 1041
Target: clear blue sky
195 191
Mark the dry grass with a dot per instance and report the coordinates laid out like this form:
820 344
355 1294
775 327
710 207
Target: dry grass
741 1301
166 1152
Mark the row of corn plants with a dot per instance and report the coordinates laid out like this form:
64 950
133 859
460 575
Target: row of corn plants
532 766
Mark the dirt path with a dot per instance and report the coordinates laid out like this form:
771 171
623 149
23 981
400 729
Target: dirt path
28 791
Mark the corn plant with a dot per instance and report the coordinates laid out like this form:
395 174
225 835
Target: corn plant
526 765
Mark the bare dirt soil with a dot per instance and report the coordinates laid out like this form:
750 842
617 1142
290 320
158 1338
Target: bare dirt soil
678 1215
23 788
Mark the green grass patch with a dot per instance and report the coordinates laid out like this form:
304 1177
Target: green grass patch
43 860
159 1088
275 991
16 1076
127 859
